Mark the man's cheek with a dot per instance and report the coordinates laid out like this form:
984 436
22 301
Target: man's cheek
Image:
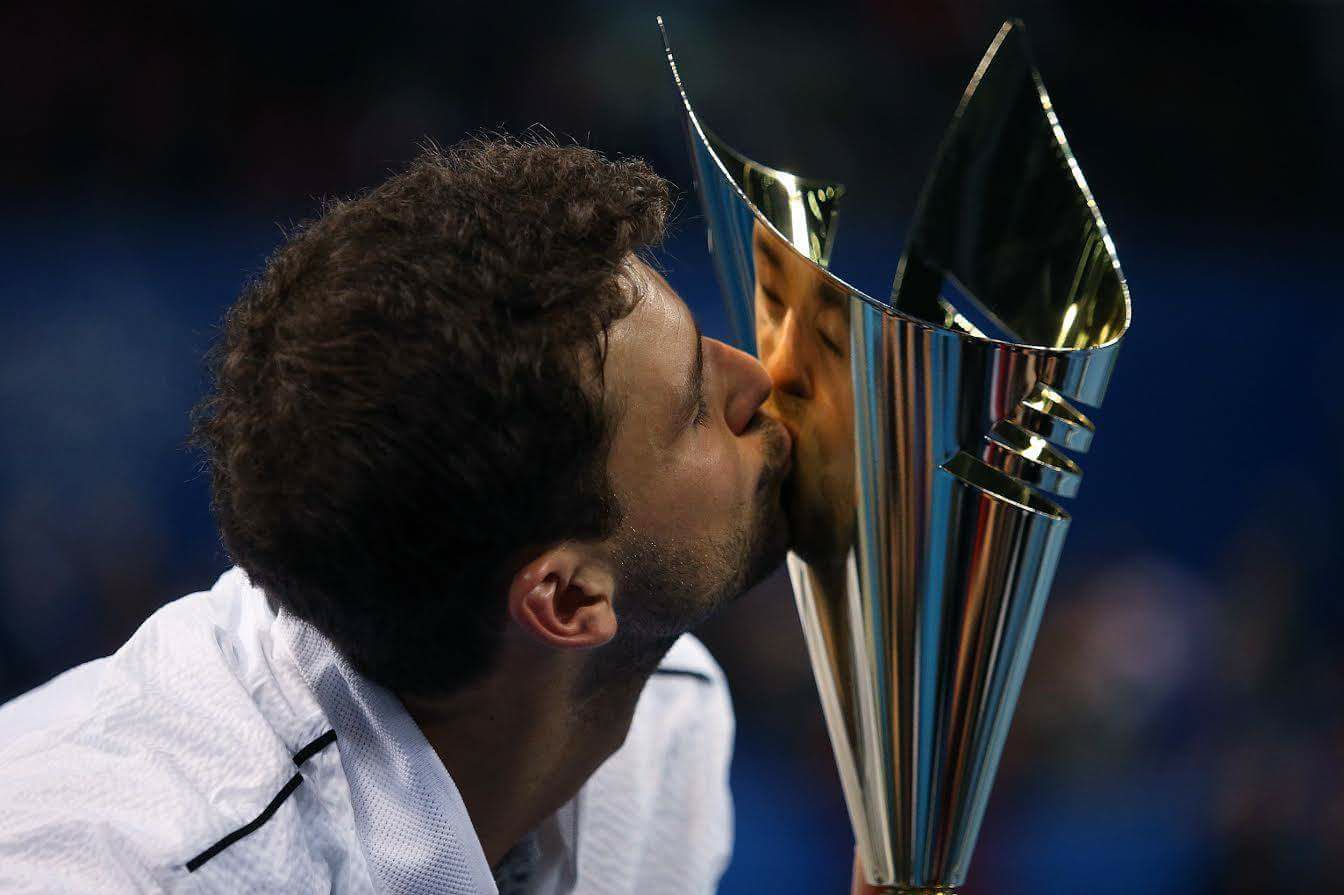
710 475
705 465
835 422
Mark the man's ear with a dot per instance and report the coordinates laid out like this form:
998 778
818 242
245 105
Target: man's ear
564 598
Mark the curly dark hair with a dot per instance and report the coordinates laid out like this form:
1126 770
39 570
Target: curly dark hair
410 393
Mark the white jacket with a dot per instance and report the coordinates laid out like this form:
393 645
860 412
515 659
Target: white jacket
226 748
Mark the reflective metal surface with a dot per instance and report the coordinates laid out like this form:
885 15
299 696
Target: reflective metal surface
930 431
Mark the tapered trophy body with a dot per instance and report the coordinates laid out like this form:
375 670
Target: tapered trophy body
932 433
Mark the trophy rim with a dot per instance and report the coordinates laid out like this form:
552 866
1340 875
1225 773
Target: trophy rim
702 134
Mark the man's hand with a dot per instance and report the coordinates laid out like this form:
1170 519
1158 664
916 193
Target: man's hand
860 886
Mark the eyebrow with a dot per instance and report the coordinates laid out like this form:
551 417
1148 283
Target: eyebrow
825 290
766 247
695 381
830 296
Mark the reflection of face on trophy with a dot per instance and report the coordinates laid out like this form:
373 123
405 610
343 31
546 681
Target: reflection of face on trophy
930 433
802 336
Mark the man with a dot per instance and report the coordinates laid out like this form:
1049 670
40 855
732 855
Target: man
479 472
802 330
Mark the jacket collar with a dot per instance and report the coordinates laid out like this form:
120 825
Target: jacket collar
410 819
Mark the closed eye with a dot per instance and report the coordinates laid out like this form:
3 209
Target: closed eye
702 411
772 302
833 332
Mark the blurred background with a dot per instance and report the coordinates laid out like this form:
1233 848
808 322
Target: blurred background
1180 730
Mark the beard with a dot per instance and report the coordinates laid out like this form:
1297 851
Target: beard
674 585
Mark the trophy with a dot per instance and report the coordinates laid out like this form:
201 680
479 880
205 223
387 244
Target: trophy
932 435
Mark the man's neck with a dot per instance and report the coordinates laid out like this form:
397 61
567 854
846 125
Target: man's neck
518 748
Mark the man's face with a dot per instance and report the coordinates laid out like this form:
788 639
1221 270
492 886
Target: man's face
802 330
695 463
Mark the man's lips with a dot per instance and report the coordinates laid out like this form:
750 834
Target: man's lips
776 450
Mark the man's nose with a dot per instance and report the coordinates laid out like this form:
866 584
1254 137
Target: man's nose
784 362
748 384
